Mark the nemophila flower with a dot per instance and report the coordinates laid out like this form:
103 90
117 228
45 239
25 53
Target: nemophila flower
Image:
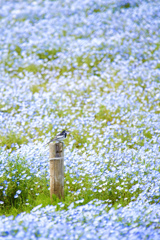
97 72
18 191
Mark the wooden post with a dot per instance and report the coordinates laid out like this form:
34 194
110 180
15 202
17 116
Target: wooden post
56 157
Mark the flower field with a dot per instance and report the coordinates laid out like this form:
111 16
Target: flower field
91 67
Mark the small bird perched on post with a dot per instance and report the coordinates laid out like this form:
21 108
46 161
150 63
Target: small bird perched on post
59 137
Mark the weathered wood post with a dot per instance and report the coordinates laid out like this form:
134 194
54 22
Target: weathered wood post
56 157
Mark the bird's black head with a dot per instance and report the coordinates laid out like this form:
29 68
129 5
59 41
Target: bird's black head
64 132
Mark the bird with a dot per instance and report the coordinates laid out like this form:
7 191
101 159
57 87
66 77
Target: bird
59 137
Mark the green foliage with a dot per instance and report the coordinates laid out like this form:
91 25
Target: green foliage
12 138
104 114
34 190
81 191
158 66
126 5
23 190
18 50
32 68
34 89
49 54
8 109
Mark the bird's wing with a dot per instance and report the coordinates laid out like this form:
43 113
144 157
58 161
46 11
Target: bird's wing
59 136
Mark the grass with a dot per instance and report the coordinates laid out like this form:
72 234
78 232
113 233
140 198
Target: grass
23 190
33 191
49 54
12 138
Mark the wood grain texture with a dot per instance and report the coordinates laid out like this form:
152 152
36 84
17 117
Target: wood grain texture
56 150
